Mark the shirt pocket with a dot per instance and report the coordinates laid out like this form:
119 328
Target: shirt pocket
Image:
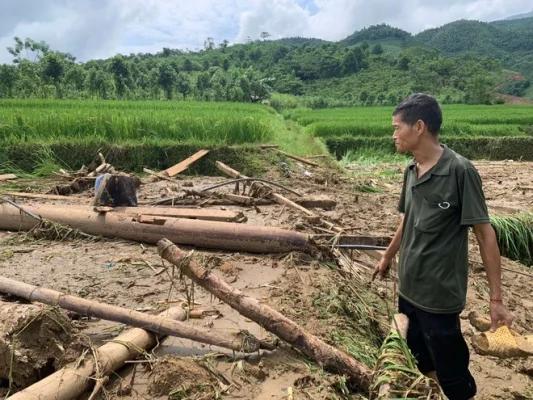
433 216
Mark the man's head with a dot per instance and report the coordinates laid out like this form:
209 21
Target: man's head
415 119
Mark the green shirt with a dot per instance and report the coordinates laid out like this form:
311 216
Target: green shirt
439 208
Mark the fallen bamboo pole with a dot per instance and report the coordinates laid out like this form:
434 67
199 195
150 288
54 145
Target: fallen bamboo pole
73 380
129 317
302 160
204 234
331 358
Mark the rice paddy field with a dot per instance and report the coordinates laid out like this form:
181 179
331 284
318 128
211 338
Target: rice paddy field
48 121
459 120
496 132
40 135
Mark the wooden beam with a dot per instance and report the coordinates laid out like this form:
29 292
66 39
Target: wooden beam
182 166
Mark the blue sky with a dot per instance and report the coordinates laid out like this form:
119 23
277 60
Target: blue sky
101 28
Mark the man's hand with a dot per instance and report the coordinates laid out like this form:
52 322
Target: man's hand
382 269
498 314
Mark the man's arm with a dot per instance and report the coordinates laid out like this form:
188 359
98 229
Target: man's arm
385 262
490 254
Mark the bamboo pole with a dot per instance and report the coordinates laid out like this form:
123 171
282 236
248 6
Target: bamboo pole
270 319
129 317
73 380
204 234
302 160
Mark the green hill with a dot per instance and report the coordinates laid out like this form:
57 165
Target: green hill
460 62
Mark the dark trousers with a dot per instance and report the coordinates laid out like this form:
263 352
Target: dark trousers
437 343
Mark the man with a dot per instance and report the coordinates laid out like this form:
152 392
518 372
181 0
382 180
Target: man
441 198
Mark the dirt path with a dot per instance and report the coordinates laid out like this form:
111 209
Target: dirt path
124 273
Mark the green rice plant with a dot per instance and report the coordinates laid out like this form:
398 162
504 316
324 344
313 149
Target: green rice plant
515 236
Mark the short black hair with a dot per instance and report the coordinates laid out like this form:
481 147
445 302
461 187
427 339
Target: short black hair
420 106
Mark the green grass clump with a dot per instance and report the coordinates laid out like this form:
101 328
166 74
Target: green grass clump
515 236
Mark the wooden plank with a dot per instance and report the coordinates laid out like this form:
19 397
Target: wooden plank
7 177
160 175
302 160
182 166
172 212
37 196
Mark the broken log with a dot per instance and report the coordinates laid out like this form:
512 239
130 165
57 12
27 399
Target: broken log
302 160
73 380
331 358
317 202
7 177
31 336
182 166
205 234
133 318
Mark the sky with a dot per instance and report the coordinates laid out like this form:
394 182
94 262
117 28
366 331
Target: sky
102 28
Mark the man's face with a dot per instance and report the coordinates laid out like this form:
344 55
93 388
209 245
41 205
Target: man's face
405 137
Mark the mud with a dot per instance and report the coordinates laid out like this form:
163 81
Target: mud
132 275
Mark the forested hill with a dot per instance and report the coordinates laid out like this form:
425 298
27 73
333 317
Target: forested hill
461 62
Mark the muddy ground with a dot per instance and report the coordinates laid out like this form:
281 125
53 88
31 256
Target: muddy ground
125 274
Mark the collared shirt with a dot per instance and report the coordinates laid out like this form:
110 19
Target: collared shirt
439 208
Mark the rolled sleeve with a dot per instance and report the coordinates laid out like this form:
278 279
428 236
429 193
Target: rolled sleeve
474 206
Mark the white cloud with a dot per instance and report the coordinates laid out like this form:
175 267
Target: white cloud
102 28
336 19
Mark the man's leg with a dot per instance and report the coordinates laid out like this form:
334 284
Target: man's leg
415 339
449 352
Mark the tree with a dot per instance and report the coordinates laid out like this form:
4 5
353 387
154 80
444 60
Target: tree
53 70
224 45
209 44
8 79
265 35
377 49
226 64
183 84
119 67
30 46
167 79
